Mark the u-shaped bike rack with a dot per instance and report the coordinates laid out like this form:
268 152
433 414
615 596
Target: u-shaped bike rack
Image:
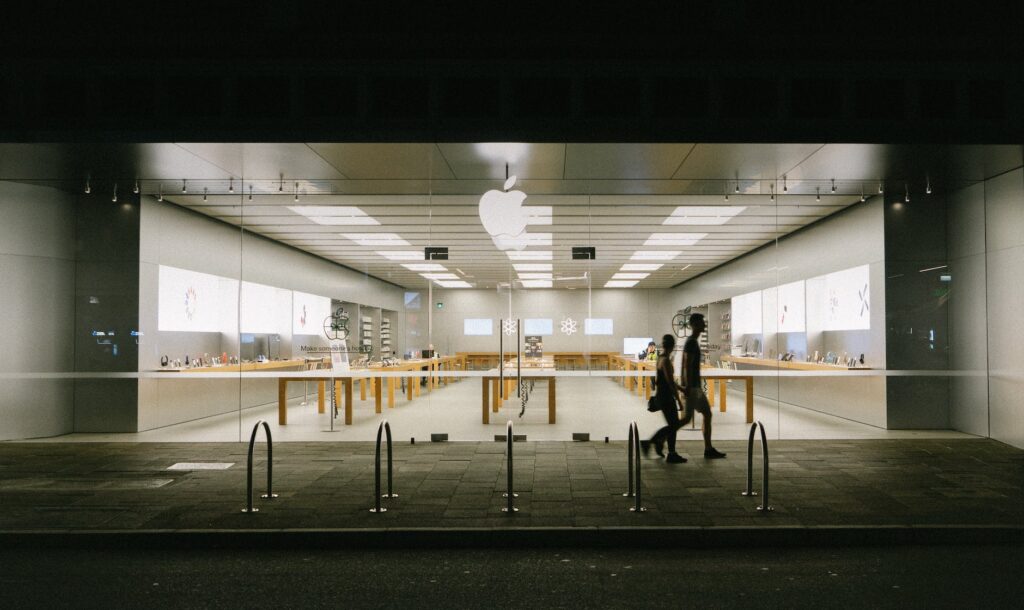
384 427
633 468
509 494
270 495
750 467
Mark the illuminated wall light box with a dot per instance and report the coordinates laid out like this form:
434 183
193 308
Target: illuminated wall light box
703 214
308 313
538 327
598 326
334 215
478 327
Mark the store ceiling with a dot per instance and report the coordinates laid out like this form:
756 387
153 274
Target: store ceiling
615 197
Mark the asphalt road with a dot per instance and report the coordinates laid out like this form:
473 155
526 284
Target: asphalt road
936 577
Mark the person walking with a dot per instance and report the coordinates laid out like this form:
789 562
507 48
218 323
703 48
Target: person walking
693 386
667 393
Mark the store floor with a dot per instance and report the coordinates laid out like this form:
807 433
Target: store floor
598 406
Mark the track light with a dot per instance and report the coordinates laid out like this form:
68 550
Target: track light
204 193
160 192
114 199
817 193
928 186
231 184
280 186
184 189
135 189
727 196
772 187
833 185
88 187
737 189
906 193
296 191
879 187
785 187
250 192
863 197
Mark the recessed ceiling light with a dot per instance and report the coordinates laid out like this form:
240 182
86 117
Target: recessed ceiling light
674 239
641 267
532 266
334 214
652 255
535 276
402 255
538 214
527 255
453 284
620 284
703 214
536 283
424 267
630 276
376 239
440 276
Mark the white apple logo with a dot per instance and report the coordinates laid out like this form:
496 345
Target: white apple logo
503 216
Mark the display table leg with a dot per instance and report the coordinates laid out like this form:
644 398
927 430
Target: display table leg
750 400
391 392
486 419
282 402
376 394
711 392
551 400
320 384
496 399
348 400
362 388
408 388
419 380
723 387
647 388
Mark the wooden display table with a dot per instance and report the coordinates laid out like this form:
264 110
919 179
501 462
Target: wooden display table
714 376
495 393
488 360
245 367
794 365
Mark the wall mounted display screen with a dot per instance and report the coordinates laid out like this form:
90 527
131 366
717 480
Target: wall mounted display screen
308 313
635 345
597 326
791 308
478 326
538 326
189 301
746 314
848 299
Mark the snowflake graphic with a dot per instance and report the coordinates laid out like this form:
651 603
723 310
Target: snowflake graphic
508 327
568 326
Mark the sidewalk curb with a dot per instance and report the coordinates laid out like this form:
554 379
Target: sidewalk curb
536 537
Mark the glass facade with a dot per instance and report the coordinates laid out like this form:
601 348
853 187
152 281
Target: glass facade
452 287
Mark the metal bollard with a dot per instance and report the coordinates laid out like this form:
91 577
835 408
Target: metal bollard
629 462
764 507
384 427
636 508
509 495
270 495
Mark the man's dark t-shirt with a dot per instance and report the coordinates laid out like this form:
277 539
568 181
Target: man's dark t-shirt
691 352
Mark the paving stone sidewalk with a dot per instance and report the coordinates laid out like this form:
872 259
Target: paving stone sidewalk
118 486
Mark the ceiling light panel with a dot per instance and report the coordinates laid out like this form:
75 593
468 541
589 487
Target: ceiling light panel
641 267
376 239
532 266
402 255
674 239
536 283
525 255
453 284
630 276
651 255
334 215
535 276
424 267
440 276
703 214
620 283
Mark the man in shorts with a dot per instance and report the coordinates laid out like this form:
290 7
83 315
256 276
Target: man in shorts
693 387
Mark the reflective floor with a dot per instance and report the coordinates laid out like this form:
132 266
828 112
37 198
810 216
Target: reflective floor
600 407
